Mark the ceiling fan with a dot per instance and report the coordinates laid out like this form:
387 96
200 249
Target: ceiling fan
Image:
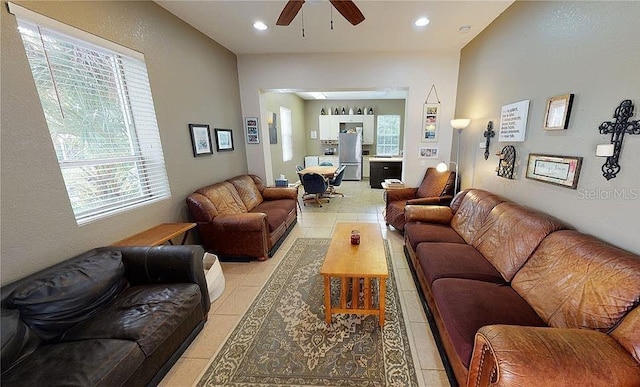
346 8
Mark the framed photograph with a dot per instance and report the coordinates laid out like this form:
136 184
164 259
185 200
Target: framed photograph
559 170
251 127
430 152
200 140
224 140
556 116
430 122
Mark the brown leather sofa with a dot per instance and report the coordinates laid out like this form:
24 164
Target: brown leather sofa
519 299
109 317
240 217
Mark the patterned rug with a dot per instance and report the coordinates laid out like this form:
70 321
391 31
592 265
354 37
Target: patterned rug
283 340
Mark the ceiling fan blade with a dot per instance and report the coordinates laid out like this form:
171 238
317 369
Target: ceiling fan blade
349 10
289 12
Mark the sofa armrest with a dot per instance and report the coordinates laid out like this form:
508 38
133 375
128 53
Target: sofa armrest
394 195
275 193
436 200
505 355
428 214
165 264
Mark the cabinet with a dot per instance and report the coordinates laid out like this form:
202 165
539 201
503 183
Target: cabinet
365 167
334 160
329 126
381 170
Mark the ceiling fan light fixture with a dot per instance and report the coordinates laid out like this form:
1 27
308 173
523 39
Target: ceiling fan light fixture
421 22
260 26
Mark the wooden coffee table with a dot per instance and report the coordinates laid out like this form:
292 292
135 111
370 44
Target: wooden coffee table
351 263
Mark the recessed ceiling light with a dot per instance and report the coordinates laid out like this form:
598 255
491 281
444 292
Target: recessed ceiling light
464 29
260 26
423 21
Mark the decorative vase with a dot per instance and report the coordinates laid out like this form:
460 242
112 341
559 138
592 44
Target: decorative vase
344 111
359 111
350 111
322 112
337 111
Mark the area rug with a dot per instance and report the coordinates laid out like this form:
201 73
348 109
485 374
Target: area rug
283 339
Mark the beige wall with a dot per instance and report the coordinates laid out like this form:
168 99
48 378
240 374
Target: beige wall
296 104
379 106
536 50
193 80
415 72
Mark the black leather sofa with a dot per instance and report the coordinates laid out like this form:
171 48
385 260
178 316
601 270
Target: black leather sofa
109 317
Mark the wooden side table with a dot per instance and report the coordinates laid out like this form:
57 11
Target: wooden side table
158 235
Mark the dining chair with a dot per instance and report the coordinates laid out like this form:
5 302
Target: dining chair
326 164
336 181
315 186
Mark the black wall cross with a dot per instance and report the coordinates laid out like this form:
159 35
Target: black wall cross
489 134
618 129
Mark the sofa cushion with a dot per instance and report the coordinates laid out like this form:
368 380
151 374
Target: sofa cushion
472 212
277 212
17 339
60 298
467 305
79 363
416 233
577 281
145 314
247 191
455 260
224 198
510 234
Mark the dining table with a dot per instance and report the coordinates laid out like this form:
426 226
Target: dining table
328 171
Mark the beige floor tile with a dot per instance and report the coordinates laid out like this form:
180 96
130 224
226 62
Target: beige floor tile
184 373
319 232
212 336
215 305
404 279
435 378
425 345
239 300
413 306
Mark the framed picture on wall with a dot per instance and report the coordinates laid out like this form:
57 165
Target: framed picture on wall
251 127
559 170
430 122
200 140
557 112
428 152
224 140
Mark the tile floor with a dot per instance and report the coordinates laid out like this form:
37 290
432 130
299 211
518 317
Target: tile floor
361 204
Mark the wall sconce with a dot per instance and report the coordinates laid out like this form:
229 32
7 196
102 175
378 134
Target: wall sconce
507 162
617 129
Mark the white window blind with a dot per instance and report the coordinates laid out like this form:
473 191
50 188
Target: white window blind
388 135
99 109
287 134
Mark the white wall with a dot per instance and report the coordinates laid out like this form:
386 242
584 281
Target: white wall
322 72
537 50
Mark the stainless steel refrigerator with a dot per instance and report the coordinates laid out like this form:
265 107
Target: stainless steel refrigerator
350 145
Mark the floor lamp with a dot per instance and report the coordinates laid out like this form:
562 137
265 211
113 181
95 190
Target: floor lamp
457 124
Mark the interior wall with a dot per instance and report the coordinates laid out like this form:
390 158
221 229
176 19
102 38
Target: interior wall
193 80
537 50
416 72
379 106
273 102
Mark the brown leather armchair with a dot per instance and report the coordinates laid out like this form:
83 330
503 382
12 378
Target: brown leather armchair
436 189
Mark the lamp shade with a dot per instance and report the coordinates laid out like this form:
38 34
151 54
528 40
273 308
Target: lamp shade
460 123
442 167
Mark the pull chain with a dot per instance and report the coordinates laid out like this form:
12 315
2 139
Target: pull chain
331 8
303 22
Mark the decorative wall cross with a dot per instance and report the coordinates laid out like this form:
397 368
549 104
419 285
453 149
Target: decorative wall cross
618 129
489 134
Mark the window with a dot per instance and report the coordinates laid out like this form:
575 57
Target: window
99 109
287 134
388 135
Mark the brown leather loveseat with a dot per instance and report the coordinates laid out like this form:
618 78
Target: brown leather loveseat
240 217
520 299
109 317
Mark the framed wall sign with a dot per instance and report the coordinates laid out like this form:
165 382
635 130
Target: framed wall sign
251 127
428 152
513 122
224 140
559 170
556 115
200 140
